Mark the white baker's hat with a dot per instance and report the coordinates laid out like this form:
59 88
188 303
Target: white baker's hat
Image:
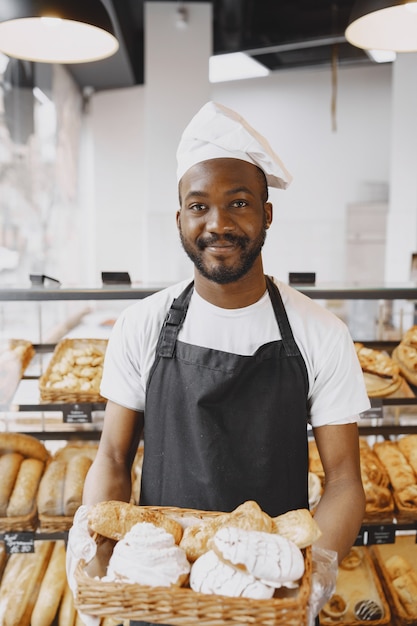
218 132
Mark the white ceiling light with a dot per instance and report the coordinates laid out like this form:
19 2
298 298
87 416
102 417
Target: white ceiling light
52 31
234 66
383 25
382 56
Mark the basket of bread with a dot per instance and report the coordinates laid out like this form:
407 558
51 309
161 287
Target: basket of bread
22 463
74 372
397 568
382 374
183 566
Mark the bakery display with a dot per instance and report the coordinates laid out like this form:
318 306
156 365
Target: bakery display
359 597
403 479
381 373
22 463
375 480
397 567
74 371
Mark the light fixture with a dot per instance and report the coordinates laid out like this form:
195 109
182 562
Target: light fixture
234 66
56 31
383 25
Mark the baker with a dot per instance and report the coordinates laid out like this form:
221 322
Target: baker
223 373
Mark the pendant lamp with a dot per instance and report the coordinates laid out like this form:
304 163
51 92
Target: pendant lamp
56 31
383 25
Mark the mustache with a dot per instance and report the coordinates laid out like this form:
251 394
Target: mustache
227 237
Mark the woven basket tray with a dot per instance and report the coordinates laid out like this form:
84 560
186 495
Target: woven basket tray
406 547
184 607
21 523
54 523
69 394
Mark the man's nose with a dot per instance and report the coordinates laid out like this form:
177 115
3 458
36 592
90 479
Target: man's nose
219 220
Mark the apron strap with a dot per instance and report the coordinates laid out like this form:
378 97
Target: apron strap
288 341
173 322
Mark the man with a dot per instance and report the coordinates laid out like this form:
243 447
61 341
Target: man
223 373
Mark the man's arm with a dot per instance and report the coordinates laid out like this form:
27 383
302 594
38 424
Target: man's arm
109 477
341 509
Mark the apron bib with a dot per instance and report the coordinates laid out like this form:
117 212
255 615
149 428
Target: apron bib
222 428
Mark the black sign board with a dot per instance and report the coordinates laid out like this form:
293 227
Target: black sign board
381 533
78 413
19 543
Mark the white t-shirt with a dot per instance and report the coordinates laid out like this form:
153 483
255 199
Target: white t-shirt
337 391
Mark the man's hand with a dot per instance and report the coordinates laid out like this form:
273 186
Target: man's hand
323 582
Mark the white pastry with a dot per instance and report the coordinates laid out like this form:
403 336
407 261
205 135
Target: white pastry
148 555
211 575
271 558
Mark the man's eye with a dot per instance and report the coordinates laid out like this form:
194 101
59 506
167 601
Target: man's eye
239 204
197 207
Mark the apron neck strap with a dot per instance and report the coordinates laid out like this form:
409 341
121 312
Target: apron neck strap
173 322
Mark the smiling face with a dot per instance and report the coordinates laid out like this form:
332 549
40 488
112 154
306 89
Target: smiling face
223 218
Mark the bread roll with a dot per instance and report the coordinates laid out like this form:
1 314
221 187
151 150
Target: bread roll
9 468
23 498
113 519
51 489
399 471
67 610
28 446
77 468
51 589
248 516
406 588
397 565
20 584
299 526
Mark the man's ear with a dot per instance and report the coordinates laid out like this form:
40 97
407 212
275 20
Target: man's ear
268 214
177 218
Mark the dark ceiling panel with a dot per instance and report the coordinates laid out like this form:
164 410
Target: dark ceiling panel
283 34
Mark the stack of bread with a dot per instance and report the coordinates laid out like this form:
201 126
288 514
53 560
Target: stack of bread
381 373
379 500
75 370
22 463
405 355
245 553
402 475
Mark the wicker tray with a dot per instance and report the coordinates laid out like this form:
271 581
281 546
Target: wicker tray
63 351
182 606
19 524
360 583
54 523
406 547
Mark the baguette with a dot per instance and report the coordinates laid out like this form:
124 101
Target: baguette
26 445
9 468
67 610
20 584
51 489
23 498
51 589
77 469
113 519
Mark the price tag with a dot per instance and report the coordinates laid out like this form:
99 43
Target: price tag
384 533
19 542
78 413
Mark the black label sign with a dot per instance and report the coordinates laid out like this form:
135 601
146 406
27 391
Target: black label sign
79 413
19 543
381 534
360 539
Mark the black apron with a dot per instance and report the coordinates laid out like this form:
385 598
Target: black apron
222 428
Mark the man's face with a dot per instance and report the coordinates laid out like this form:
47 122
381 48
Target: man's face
223 217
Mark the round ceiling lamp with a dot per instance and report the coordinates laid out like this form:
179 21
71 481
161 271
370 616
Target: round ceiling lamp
383 25
56 31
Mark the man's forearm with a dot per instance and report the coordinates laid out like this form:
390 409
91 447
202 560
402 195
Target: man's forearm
339 515
107 480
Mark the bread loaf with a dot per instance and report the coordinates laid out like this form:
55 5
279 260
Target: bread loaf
67 610
23 498
406 588
399 471
9 468
51 589
28 446
113 519
51 489
77 468
20 584
298 526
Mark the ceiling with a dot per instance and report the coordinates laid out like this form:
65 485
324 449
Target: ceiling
281 34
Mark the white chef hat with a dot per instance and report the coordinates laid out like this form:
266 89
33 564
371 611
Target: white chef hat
218 132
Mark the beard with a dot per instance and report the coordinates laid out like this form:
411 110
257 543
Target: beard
221 273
